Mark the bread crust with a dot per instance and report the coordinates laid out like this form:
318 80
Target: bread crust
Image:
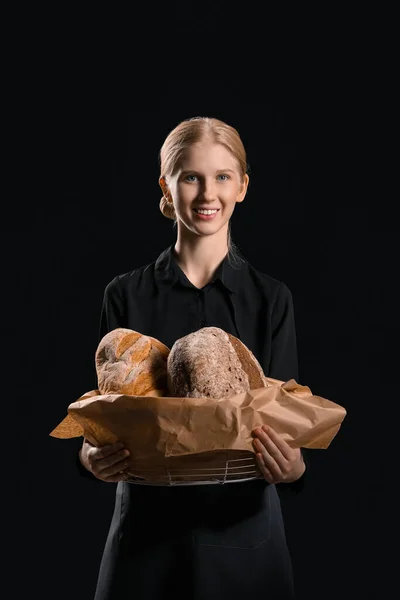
210 362
128 362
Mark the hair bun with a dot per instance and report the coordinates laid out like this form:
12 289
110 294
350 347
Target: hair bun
167 208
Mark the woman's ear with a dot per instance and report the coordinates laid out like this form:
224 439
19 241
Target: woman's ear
243 188
163 185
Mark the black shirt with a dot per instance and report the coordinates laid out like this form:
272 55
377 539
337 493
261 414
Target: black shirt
224 540
159 300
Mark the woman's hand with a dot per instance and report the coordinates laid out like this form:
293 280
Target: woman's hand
278 462
107 463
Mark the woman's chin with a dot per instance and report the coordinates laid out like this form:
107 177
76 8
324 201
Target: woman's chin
202 226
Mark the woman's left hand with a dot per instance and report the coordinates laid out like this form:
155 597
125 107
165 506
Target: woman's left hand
278 462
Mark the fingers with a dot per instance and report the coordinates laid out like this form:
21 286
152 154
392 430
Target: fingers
104 451
275 442
108 463
273 454
110 469
268 464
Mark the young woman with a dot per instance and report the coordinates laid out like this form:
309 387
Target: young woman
211 541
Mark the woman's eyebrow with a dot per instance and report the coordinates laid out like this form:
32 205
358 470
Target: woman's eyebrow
193 171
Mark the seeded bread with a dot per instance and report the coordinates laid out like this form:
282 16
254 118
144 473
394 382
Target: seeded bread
211 362
128 362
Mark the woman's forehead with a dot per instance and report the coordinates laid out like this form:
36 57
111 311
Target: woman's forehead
207 155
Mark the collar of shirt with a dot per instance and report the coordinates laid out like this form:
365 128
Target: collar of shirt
167 271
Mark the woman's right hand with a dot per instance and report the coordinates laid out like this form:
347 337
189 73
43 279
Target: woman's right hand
107 463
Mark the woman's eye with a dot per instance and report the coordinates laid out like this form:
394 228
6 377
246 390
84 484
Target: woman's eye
220 177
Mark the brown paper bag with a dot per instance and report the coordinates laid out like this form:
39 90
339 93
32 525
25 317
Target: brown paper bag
201 439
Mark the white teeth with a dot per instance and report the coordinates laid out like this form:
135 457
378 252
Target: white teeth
206 212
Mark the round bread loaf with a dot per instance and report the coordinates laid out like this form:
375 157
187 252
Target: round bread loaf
128 362
211 362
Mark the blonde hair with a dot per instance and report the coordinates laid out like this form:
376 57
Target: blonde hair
189 132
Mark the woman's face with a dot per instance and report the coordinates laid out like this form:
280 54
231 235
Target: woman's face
208 178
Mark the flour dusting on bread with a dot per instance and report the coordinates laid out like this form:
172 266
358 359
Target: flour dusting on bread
210 362
128 362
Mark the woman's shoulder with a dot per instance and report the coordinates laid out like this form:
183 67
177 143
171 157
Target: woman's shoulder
128 278
132 278
268 283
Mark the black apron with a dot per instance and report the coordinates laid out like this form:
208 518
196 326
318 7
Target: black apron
207 542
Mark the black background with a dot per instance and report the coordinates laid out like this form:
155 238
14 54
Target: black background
303 221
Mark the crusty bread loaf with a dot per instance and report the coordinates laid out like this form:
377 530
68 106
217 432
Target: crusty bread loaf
128 362
211 362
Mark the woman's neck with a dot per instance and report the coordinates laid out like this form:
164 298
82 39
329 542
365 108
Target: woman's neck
200 256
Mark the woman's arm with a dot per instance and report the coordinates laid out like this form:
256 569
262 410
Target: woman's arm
284 358
284 361
111 317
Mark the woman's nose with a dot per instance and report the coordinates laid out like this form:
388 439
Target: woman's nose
208 190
